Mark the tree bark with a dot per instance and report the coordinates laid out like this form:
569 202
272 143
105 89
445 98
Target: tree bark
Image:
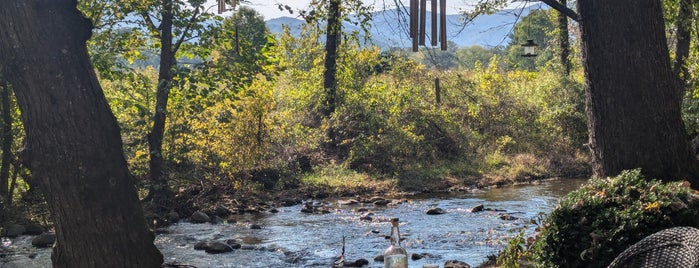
73 144
334 29
159 190
564 41
6 140
632 101
332 43
684 22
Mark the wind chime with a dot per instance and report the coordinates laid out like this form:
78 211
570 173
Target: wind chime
418 22
222 5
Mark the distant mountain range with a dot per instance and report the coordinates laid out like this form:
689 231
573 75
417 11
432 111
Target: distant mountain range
389 30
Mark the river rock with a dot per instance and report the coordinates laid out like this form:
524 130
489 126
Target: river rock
378 258
507 217
436 211
216 247
416 256
172 216
44 240
33 229
347 202
382 202
456 264
255 226
357 263
14 230
478 208
233 244
201 245
199 217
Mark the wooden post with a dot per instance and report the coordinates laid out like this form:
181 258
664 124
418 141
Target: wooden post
437 92
443 24
434 11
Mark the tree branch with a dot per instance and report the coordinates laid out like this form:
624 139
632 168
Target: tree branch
176 47
563 9
149 23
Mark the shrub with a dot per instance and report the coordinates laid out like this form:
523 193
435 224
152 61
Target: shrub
595 223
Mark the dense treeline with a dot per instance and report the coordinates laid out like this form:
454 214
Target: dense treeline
245 103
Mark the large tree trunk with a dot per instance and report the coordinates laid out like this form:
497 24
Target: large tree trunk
6 140
159 190
633 105
73 143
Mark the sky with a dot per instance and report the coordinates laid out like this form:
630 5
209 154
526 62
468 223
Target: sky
269 9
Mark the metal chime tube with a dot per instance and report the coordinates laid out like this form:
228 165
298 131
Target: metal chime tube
414 20
433 38
221 6
423 21
443 24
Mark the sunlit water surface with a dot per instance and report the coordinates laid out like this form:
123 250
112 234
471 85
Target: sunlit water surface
291 238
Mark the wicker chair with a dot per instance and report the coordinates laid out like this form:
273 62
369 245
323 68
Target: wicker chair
676 247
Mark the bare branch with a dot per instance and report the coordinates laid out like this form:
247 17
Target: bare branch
186 30
563 9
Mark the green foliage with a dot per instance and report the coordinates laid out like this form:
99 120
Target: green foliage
514 251
595 223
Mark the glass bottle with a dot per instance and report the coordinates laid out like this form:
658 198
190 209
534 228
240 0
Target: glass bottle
395 256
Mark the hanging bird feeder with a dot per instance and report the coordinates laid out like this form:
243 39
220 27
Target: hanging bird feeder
529 48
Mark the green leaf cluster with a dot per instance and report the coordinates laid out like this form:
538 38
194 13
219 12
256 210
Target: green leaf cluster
595 223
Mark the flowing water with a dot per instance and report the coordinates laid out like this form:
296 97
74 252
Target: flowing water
290 238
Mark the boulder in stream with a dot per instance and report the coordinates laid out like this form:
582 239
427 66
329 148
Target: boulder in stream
199 217
436 211
477 208
14 230
44 240
33 229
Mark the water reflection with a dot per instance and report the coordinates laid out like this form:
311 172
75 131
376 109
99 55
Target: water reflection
294 239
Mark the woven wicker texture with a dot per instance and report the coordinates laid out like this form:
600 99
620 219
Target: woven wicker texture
672 248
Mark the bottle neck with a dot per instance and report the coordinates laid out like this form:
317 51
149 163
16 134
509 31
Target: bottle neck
395 236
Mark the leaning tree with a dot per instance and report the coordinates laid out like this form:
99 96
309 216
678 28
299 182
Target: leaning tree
73 146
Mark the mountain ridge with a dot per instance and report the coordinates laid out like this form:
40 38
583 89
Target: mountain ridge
485 30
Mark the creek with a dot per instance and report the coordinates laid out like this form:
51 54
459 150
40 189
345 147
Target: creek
290 238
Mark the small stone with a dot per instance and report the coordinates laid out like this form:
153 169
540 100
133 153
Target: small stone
508 217
233 244
199 217
357 263
456 264
173 216
347 202
289 202
416 256
379 258
255 227
273 210
382 202
436 211
478 208
44 240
